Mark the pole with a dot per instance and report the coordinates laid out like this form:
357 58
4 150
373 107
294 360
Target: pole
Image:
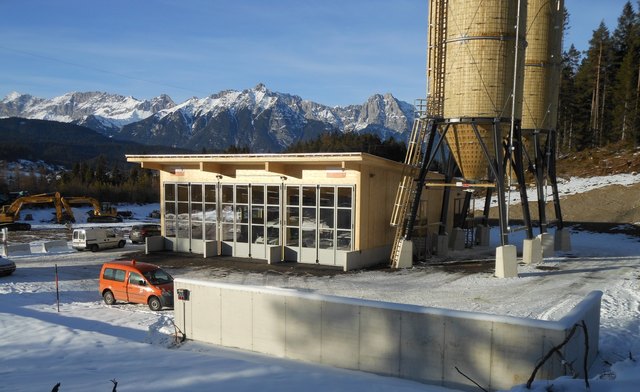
57 290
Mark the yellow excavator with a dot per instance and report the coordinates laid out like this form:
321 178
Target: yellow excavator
10 214
102 212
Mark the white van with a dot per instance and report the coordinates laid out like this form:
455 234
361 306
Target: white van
95 239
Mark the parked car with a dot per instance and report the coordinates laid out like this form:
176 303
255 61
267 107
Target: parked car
140 232
136 282
7 267
94 239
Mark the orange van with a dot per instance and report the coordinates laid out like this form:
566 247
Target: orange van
131 281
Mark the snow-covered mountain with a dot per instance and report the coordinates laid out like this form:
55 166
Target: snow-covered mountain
256 118
105 113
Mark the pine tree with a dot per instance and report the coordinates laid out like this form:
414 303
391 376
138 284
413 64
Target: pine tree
624 65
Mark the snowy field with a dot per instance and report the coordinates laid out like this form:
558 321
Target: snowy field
86 344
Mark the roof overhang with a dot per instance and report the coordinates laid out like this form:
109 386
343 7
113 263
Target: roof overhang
284 164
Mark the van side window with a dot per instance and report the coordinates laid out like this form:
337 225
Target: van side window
135 278
114 274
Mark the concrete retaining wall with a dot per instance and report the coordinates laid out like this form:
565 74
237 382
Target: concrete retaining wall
419 343
15 249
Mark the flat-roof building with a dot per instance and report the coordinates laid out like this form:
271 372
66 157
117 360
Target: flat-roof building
323 208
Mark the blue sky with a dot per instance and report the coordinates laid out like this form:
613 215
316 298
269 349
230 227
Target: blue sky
329 51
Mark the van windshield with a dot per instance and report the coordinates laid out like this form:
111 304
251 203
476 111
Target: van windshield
158 276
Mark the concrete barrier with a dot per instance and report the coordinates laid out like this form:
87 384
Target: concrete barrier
413 342
53 246
16 249
154 244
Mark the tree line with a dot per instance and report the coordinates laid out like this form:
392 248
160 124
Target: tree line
112 182
599 102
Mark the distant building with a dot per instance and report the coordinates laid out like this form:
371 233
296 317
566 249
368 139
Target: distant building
326 208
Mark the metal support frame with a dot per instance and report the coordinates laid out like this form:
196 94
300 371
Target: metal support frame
543 165
504 154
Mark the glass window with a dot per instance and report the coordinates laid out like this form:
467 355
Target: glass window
196 230
183 192
242 214
327 196
273 216
169 192
326 218
257 234
344 219
344 197
210 193
210 231
196 193
169 228
210 212
242 194
114 274
227 213
227 193
344 240
257 194
273 235
309 196
326 239
293 237
257 214
293 216
293 195
136 279
273 195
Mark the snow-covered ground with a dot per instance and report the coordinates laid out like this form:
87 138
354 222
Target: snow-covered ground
86 344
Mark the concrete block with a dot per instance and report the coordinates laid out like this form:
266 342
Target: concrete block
562 240
17 249
52 246
442 245
514 349
406 254
422 347
274 254
532 251
380 340
548 247
269 319
210 249
154 244
467 347
506 262
483 236
237 319
456 241
340 332
303 329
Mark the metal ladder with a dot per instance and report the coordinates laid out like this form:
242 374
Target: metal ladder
406 188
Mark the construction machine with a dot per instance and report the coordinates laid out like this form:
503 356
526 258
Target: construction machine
10 214
102 212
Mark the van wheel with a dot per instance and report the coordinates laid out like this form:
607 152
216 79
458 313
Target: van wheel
94 248
108 297
121 243
154 303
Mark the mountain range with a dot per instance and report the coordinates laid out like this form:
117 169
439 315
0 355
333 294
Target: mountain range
257 118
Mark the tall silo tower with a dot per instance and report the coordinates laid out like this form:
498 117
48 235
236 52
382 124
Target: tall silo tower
540 105
474 102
